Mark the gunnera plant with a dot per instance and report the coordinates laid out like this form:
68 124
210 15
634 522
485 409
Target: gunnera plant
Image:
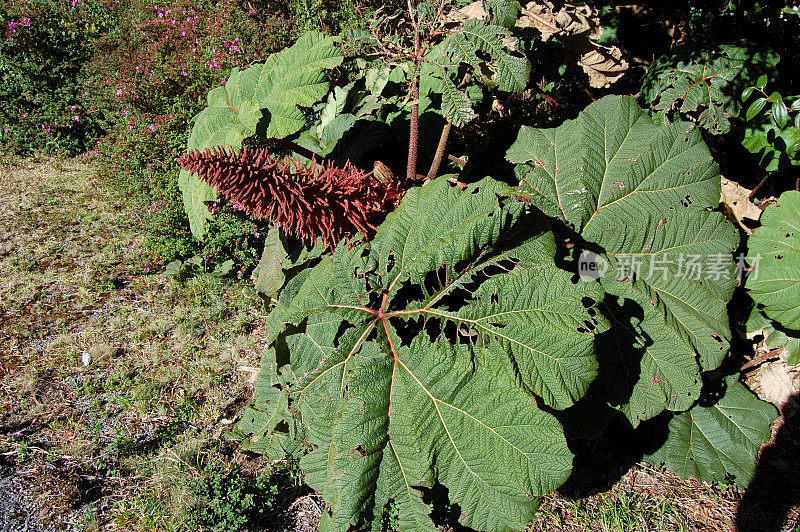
461 343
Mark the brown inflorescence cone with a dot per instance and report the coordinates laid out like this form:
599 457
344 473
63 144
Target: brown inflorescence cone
308 200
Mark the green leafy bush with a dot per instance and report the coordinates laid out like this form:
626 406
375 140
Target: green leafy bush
772 127
229 500
705 85
44 52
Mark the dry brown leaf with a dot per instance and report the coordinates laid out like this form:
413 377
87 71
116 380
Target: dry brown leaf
737 205
775 382
577 27
540 17
603 65
571 19
473 10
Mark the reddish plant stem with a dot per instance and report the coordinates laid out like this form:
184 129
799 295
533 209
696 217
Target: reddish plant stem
382 317
413 140
758 186
411 168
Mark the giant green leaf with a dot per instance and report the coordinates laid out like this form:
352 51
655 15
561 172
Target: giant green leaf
417 358
641 193
294 78
275 90
774 250
719 441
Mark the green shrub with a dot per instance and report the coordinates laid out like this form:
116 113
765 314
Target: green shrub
148 75
44 53
772 126
230 500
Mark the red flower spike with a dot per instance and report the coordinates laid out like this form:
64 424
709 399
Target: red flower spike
309 201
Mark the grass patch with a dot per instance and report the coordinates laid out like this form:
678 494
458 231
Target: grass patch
107 372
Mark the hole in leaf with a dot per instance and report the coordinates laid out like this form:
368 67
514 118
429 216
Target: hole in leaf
407 293
406 329
451 332
433 328
435 280
343 327
390 262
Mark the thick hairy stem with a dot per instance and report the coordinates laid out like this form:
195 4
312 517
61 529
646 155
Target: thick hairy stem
437 158
411 168
413 132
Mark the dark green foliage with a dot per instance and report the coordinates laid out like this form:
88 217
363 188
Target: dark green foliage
772 126
44 51
705 84
231 500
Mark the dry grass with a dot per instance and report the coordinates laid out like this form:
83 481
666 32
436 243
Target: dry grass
132 430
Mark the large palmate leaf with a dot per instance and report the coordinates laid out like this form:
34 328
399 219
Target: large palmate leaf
475 39
416 358
720 441
296 77
273 91
705 84
640 193
774 250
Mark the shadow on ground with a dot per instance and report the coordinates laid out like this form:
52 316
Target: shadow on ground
775 488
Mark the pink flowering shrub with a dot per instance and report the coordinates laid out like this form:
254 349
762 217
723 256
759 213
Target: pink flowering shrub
148 78
45 46
163 57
